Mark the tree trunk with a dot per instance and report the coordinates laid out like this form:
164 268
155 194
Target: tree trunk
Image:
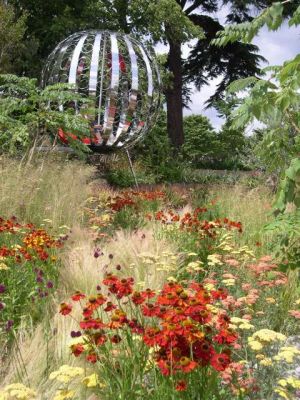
174 96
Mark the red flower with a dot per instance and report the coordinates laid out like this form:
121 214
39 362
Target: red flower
77 349
77 296
186 364
150 310
181 386
220 361
148 293
164 367
65 309
92 358
137 298
109 306
225 336
151 336
116 339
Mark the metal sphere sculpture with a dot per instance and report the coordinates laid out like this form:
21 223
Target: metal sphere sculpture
121 78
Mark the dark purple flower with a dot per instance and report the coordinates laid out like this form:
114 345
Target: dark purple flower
118 267
111 256
98 252
75 334
49 285
39 279
9 325
2 288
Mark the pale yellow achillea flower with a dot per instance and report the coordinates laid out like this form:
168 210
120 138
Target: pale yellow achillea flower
17 391
209 286
254 344
214 259
290 381
66 373
241 323
270 300
228 282
266 362
266 335
287 354
3 267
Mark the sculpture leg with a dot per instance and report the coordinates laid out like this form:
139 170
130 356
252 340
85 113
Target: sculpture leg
131 168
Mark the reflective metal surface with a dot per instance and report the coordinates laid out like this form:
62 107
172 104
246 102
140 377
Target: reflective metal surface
118 74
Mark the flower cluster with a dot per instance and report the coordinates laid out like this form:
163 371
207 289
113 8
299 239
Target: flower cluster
131 199
34 242
180 324
17 391
191 222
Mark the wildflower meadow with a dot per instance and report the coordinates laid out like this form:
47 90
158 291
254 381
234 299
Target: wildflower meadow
149 237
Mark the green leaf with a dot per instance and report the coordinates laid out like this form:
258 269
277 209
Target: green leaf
241 84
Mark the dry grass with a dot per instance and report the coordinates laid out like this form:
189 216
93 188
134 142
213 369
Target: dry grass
250 206
45 189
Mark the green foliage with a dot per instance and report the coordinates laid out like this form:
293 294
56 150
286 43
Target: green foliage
157 154
206 148
123 178
201 142
275 103
286 231
246 31
12 31
29 114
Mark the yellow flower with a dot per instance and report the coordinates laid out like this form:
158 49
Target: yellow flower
266 335
246 326
287 354
19 391
66 373
270 300
214 259
266 362
91 380
241 323
3 267
297 302
282 393
254 344
209 286
229 282
64 394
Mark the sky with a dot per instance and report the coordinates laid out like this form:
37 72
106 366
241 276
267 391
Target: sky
275 47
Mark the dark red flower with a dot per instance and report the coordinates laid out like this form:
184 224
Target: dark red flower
181 386
220 361
65 309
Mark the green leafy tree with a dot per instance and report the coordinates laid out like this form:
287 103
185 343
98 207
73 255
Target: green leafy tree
201 142
12 30
275 102
28 114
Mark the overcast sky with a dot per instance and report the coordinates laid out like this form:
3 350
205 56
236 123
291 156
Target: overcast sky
275 47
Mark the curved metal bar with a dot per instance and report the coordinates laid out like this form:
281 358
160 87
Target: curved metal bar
111 103
149 70
75 60
94 65
129 107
